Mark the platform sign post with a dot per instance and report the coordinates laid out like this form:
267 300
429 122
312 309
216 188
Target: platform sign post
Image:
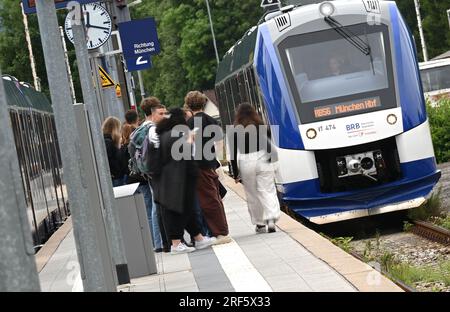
69 140
111 212
17 265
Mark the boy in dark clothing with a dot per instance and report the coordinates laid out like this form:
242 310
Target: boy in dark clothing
208 180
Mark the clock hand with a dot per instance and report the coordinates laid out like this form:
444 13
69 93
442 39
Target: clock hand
88 19
98 27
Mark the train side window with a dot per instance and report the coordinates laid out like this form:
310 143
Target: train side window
231 100
242 88
222 106
235 91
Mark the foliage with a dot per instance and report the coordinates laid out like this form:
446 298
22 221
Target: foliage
188 58
411 274
14 53
343 242
439 117
407 226
434 22
431 208
443 221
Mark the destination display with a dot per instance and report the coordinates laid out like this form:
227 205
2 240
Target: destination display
357 106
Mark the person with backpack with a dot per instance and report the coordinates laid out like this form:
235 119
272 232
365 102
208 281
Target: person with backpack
142 143
112 137
175 186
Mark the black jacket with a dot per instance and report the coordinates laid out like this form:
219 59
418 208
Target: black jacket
116 167
206 120
175 186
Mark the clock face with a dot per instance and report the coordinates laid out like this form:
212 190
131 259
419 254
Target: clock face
98 25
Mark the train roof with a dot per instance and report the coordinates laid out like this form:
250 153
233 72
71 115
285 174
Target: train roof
240 55
22 95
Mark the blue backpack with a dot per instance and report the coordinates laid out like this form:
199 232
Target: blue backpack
145 157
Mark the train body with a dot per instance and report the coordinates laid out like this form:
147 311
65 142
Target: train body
33 126
341 90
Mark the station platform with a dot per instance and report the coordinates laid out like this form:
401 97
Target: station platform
293 259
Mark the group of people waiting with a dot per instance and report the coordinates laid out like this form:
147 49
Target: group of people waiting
186 194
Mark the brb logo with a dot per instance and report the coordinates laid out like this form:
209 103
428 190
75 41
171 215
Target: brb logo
355 126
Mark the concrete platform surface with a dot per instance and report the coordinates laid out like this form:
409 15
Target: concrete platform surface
294 259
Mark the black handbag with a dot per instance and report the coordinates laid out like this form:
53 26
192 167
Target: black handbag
222 190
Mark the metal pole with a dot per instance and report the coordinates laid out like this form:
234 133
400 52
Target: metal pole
37 84
112 214
112 103
123 15
17 264
212 32
69 71
448 16
84 227
141 84
422 37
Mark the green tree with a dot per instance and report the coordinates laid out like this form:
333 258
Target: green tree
14 53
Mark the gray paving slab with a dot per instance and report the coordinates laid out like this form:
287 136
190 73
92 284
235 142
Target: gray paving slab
284 264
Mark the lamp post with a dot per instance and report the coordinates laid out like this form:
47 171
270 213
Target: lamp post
422 37
212 32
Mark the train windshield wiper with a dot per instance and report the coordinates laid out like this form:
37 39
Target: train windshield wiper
353 39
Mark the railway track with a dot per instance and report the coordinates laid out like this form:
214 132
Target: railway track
432 232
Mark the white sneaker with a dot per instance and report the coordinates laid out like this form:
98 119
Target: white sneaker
205 243
181 249
223 239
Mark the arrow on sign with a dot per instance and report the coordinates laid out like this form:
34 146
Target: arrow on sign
140 61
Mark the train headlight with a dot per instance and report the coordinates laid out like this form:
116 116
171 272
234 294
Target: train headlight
326 8
311 134
392 119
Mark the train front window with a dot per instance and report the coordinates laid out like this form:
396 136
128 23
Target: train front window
325 70
435 79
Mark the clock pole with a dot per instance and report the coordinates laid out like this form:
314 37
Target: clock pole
96 277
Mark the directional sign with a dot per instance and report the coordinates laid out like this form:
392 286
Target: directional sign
139 38
267 3
29 6
107 81
139 63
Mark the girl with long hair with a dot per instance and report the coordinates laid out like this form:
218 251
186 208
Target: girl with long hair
253 165
112 136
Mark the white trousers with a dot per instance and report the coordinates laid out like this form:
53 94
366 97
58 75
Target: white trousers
258 178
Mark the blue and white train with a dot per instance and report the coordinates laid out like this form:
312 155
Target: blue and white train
340 80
